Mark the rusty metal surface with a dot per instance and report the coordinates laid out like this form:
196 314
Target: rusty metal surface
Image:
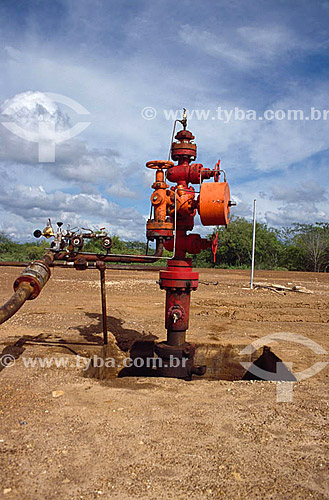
37 274
15 302
27 286
102 267
12 263
92 257
91 265
177 361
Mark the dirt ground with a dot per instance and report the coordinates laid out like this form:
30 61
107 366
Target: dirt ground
155 438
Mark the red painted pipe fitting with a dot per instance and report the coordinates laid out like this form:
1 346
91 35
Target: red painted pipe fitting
184 172
191 243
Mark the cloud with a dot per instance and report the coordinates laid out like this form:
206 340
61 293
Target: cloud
35 204
29 108
242 208
247 47
121 190
29 201
12 53
115 60
210 44
76 162
291 213
306 192
280 143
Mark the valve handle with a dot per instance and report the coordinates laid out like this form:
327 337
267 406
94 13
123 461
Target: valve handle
214 245
217 171
159 164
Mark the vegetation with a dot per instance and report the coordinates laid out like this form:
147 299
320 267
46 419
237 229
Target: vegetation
10 250
300 247
119 246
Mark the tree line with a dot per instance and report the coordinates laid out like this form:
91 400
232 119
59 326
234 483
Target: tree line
300 247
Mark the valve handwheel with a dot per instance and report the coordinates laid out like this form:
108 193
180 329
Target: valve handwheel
159 164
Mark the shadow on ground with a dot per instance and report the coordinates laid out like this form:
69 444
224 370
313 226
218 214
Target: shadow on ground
125 337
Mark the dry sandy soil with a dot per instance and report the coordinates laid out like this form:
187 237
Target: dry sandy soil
138 437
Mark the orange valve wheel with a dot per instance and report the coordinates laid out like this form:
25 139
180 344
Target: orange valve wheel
159 164
214 204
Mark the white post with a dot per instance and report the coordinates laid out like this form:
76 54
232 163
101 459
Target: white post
253 247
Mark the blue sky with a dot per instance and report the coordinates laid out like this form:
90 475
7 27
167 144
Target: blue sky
116 58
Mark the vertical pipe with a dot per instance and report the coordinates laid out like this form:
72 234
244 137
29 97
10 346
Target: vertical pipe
253 247
103 293
176 327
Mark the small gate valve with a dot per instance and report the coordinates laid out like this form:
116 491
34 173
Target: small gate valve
161 226
48 231
176 312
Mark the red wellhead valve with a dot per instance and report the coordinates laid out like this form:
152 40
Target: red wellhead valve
172 216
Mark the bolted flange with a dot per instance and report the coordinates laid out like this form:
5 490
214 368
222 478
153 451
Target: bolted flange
177 361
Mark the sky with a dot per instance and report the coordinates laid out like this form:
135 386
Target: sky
128 63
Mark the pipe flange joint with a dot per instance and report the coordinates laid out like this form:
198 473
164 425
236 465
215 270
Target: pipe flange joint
36 274
164 350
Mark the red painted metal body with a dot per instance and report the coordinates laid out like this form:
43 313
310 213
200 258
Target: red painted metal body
178 280
174 211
